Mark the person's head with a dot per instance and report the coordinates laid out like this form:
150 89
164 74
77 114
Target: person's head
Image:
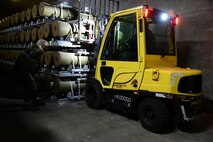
37 50
41 43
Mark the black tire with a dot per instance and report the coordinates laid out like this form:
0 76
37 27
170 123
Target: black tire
93 94
154 115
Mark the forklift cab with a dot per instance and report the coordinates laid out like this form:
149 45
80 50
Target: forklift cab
132 37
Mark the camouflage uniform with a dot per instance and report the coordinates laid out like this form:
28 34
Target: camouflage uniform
26 66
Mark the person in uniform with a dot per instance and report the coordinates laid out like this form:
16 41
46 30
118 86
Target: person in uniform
26 67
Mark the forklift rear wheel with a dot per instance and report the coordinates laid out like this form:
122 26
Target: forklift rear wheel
154 115
93 94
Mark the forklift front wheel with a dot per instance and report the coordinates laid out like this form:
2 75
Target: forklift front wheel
154 115
93 94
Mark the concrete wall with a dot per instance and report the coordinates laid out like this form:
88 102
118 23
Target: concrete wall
194 34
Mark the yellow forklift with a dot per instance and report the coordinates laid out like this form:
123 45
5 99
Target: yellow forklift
137 72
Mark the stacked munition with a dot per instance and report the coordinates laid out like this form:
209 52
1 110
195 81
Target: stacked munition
24 27
61 59
49 22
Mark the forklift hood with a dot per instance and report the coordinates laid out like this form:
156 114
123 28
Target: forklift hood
180 81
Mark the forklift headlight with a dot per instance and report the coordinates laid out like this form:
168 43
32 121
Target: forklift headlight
164 16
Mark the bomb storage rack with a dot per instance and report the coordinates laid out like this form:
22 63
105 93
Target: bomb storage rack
71 32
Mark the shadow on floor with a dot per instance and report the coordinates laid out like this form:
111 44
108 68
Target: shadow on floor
201 124
19 126
208 105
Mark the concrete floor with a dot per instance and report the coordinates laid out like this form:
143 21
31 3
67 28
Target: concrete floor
75 122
